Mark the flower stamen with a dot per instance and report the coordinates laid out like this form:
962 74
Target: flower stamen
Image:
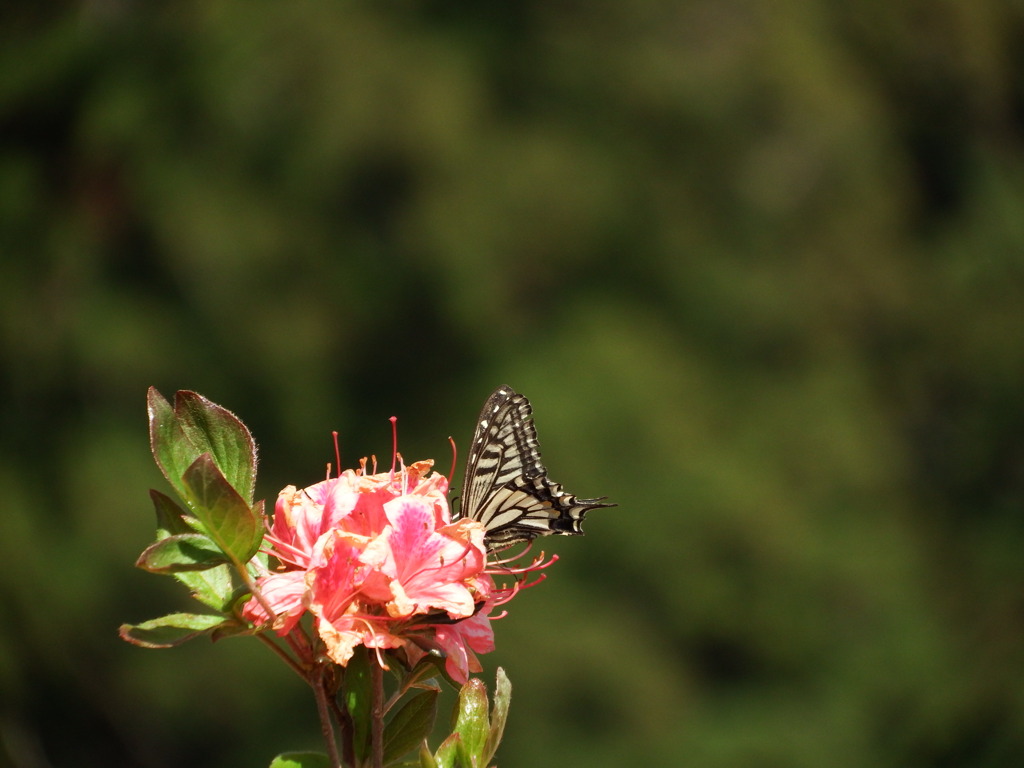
394 443
376 560
337 453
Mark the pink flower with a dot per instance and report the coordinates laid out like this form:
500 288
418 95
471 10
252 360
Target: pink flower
377 561
285 593
429 569
460 640
334 589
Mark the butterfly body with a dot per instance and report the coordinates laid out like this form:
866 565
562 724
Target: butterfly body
506 486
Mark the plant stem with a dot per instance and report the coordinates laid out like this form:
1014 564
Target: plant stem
324 710
377 715
344 721
295 666
243 571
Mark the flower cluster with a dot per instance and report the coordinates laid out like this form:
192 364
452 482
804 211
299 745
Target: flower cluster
360 559
377 561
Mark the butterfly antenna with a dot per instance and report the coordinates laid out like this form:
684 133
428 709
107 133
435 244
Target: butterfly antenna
455 453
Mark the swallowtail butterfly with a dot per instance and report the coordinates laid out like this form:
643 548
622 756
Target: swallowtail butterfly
506 487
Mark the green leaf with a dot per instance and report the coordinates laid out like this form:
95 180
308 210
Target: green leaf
472 723
358 694
227 517
426 759
181 552
476 737
172 450
170 518
499 714
301 760
231 629
213 587
169 631
194 426
260 562
410 725
452 754
445 755
429 667
215 430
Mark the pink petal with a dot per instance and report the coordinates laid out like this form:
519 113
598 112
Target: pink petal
345 633
335 582
459 642
285 593
428 568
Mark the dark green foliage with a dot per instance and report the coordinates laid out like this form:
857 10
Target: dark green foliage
410 725
757 266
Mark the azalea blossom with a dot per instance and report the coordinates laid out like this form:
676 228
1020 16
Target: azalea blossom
377 561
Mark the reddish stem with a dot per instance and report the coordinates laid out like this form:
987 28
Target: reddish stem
377 716
323 709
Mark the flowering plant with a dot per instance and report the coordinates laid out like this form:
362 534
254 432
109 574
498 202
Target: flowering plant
361 573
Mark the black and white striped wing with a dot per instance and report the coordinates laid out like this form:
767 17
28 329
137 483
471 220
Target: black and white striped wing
506 486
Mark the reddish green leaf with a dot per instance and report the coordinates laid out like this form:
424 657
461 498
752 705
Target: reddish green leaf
181 552
214 586
227 517
170 518
215 430
169 631
172 450
194 426
231 629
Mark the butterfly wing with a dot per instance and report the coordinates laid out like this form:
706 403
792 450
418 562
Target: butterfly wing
506 485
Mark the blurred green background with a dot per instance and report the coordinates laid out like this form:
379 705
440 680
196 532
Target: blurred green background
759 266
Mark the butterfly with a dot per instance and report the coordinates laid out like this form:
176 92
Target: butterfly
507 488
